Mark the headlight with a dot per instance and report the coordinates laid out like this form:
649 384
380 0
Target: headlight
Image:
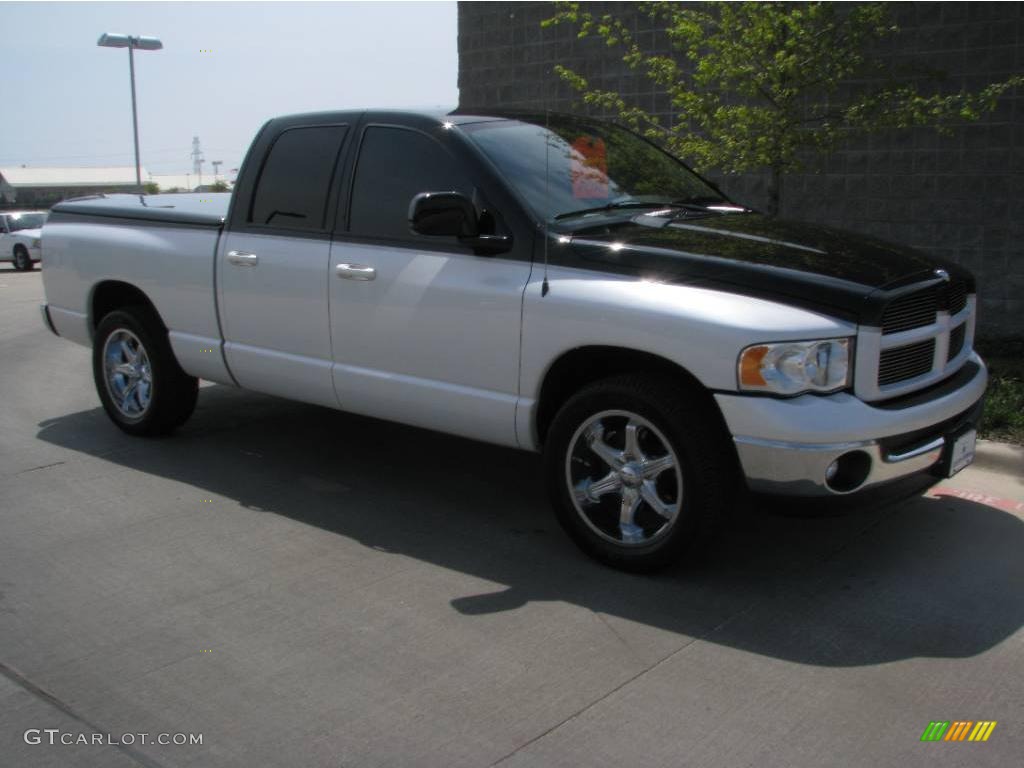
794 367
36 242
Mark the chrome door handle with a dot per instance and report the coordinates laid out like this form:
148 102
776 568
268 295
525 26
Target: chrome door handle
241 259
355 271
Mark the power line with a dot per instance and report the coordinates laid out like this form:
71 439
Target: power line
17 160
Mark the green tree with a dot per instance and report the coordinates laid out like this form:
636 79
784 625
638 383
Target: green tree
764 86
151 188
219 186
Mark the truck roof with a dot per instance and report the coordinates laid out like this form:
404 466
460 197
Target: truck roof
405 116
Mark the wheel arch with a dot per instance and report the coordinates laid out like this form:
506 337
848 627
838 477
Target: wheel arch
582 366
109 295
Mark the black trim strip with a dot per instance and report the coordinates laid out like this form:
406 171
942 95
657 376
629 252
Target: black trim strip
127 217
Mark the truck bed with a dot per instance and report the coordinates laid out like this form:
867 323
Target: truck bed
163 246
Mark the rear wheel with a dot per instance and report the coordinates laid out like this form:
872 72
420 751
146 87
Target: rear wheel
142 387
22 261
637 470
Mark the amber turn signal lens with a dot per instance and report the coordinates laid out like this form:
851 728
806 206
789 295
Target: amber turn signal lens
750 366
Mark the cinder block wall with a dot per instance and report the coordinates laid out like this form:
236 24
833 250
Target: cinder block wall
959 197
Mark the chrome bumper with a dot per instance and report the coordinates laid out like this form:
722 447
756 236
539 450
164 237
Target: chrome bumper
864 438
801 470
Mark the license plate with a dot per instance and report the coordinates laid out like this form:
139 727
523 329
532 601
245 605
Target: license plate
962 452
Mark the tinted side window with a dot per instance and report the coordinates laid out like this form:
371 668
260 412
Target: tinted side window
295 181
394 165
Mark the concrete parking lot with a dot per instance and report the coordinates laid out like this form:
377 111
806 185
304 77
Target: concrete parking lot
305 587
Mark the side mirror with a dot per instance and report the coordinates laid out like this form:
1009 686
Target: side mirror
453 214
443 213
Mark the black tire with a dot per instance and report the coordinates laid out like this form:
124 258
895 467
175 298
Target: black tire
170 392
22 261
663 411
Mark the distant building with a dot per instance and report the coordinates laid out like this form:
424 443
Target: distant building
42 187
181 182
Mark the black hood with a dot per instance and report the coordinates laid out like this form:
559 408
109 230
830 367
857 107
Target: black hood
835 272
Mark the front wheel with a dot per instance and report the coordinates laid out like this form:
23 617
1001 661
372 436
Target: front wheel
637 469
22 261
142 387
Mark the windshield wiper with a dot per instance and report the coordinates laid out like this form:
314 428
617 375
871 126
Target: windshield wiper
688 204
697 204
610 207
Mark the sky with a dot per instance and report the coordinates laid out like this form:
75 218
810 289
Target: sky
224 70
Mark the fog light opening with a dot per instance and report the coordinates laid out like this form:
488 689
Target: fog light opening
848 472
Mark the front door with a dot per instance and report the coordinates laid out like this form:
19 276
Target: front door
423 330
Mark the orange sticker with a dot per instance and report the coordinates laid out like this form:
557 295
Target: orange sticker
589 168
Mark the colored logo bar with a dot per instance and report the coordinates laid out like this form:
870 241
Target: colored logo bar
958 730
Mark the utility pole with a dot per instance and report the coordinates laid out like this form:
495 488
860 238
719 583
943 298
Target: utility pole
216 168
197 160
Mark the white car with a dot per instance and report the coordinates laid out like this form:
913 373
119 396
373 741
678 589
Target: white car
19 237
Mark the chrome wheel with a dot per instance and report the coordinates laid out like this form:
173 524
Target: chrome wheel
625 481
127 373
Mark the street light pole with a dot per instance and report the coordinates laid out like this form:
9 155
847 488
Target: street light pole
135 116
114 40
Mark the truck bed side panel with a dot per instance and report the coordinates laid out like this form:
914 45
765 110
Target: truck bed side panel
172 264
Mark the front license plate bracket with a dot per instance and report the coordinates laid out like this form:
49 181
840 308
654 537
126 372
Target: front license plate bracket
960 449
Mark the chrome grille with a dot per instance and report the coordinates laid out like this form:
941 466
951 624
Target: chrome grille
902 363
956 297
956 341
915 310
925 336
918 309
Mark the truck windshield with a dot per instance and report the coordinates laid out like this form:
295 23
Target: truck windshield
19 221
566 166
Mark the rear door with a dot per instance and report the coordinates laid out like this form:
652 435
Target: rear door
424 331
272 269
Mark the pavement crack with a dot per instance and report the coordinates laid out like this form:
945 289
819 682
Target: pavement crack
619 637
40 693
41 466
595 702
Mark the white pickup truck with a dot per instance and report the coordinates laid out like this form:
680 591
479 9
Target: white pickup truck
551 283
20 237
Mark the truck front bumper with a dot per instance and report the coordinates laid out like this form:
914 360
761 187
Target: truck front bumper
835 445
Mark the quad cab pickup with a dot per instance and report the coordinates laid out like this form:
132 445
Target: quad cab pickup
554 284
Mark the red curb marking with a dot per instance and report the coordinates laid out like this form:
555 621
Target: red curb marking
1007 505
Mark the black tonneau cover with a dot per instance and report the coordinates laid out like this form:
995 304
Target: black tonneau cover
203 209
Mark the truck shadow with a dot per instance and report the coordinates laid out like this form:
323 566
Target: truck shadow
926 577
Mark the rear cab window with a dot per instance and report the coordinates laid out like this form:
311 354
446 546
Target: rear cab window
295 182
